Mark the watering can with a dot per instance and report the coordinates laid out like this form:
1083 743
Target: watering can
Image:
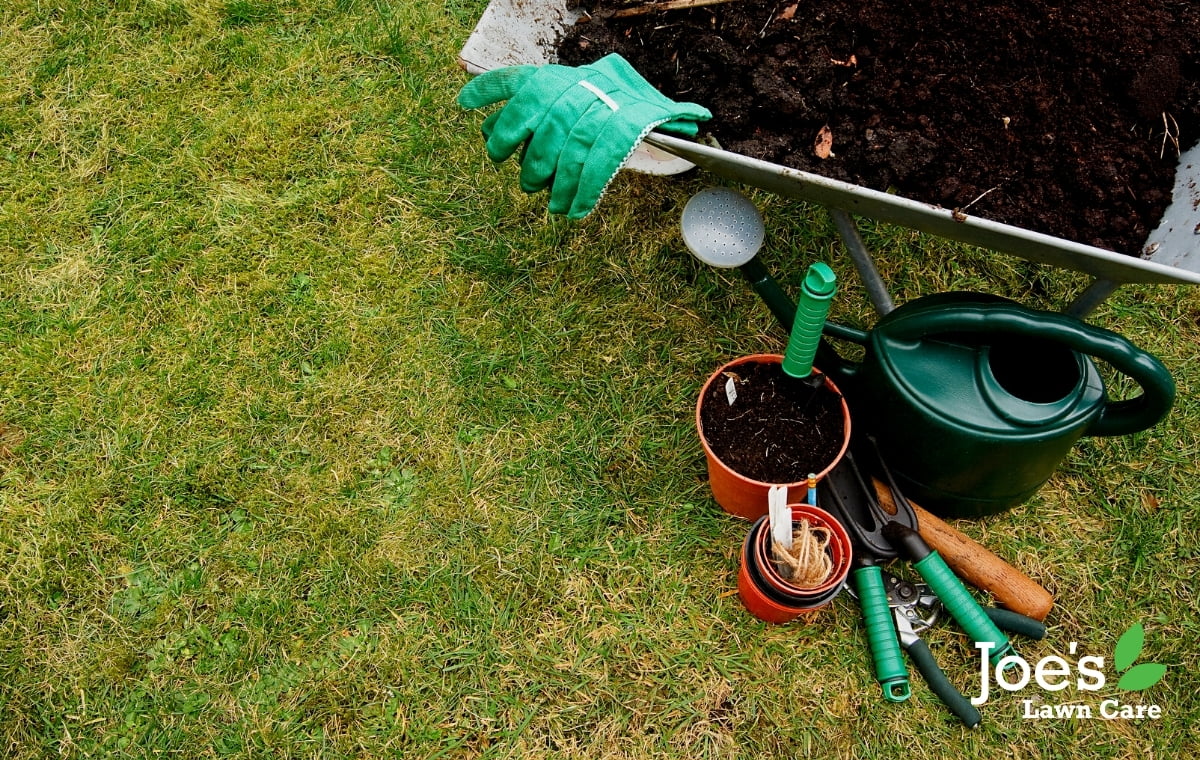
974 400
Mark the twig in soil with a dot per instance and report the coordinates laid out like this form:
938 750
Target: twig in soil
980 196
770 17
666 5
1174 138
960 214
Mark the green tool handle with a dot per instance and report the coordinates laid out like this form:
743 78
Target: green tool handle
816 293
881 634
961 605
933 675
1015 622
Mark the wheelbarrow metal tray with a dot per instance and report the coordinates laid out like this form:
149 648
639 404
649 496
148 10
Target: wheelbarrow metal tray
513 32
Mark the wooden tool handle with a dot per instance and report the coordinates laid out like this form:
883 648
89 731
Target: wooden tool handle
975 564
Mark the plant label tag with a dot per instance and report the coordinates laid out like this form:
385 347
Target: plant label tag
730 391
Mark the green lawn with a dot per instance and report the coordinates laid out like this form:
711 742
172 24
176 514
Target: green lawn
320 439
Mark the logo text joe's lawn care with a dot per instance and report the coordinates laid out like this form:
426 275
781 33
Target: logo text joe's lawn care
1054 673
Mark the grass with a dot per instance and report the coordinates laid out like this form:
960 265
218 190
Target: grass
319 439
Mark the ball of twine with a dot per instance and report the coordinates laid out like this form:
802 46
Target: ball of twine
806 564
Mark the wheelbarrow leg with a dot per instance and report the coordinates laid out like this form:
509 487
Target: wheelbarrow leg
1087 301
1084 304
876 289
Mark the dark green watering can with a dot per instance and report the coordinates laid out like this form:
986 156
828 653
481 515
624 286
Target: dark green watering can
975 400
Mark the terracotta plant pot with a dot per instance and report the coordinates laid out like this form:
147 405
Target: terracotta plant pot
739 494
770 597
840 551
760 603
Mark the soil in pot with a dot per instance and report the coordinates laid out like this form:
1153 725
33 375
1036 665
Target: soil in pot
1063 118
778 430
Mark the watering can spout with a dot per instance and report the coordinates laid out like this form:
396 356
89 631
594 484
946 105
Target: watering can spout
841 370
845 332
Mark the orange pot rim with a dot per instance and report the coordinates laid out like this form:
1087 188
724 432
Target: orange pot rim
845 552
777 359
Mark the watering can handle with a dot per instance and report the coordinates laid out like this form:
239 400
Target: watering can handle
1117 417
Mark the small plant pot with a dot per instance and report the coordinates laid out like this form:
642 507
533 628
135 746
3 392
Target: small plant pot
839 550
767 595
740 494
762 604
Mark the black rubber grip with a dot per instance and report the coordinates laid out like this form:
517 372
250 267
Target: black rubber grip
933 675
1015 622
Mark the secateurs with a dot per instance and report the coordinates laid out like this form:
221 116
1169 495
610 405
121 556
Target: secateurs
879 537
915 608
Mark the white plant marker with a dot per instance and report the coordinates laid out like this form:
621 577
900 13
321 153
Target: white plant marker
780 516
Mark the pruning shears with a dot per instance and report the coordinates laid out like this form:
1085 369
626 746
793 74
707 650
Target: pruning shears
879 537
915 608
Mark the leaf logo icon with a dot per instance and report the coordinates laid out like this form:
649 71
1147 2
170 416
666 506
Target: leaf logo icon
1129 647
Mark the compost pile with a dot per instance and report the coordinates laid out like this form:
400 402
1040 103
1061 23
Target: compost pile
1063 118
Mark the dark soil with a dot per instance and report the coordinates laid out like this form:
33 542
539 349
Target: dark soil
778 430
1063 118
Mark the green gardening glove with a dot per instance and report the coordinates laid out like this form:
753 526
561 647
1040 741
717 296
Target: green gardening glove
574 125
